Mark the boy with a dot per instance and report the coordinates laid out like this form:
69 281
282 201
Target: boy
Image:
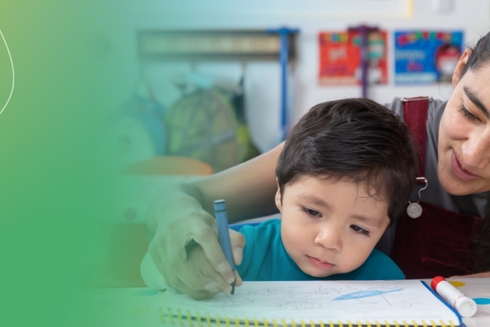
344 175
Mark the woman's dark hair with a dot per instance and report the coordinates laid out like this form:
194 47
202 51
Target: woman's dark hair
356 139
480 55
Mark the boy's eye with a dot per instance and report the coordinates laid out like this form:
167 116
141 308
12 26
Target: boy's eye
359 230
468 114
312 212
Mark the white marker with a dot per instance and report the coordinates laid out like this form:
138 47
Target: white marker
465 306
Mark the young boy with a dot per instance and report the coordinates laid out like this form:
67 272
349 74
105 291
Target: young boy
344 175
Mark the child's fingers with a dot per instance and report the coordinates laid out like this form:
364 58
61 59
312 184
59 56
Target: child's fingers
237 244
239 281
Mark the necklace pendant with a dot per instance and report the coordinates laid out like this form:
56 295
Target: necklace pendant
414 210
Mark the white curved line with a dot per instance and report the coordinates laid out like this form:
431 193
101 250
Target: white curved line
13 72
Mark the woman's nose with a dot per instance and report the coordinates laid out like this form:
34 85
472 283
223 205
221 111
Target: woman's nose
476 150
329 238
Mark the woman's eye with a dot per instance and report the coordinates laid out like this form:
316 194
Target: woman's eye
468 114
359 230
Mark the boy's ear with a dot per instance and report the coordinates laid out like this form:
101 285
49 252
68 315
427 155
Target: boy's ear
278 197
460 66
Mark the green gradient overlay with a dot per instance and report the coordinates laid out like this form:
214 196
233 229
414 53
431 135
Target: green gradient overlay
50 183
75 64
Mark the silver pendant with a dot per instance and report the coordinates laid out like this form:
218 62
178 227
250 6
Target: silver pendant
414 210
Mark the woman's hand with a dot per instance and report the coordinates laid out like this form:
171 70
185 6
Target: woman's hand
186 251
197 255
478 275
179 217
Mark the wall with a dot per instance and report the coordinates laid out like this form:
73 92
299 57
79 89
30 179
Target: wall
262 79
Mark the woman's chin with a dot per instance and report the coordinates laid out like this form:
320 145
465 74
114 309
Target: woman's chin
454 186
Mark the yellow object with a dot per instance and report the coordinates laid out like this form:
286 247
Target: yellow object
456 283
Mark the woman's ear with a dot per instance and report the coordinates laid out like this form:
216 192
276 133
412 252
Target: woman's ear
458 70
278 197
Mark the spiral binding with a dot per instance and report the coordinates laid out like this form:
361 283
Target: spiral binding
197 320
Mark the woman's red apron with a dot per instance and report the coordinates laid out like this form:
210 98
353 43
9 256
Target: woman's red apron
439 242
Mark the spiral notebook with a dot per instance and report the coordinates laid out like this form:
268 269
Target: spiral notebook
310 304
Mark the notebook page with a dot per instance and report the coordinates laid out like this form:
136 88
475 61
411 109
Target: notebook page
319 301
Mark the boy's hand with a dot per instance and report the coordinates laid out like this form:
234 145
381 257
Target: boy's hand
188 255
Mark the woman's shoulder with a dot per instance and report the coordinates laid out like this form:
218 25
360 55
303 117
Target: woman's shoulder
396 105
437 104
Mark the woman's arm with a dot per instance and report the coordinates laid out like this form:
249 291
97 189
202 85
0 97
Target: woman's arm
477 275
182 217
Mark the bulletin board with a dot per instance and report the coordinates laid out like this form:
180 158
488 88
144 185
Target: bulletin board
340 58
426 56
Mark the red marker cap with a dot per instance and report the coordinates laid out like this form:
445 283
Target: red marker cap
436 280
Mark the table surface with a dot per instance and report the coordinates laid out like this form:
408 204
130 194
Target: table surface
134 307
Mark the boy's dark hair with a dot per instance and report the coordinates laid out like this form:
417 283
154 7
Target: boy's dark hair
357 139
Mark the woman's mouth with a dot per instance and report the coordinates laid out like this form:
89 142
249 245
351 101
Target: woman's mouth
461 173
320 264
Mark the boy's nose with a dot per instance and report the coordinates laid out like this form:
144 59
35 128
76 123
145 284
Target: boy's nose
329 239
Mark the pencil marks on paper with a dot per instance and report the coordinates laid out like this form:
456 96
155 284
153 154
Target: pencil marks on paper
316 300
363 294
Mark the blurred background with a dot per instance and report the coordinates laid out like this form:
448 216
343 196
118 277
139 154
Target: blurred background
107 101
232 49
204 85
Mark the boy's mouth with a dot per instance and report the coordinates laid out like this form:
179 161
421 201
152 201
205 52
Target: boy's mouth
320 264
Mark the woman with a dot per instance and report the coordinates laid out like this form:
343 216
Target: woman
457 168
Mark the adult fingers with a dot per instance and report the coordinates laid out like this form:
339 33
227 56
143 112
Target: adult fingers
195 294
214 253
207 270
168 251
209 254
190 280
477 275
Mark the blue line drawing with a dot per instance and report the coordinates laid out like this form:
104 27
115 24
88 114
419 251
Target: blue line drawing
363 294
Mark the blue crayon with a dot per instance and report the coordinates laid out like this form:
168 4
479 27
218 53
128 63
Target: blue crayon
223 235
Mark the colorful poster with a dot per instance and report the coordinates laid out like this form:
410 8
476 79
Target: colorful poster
340 58
423 57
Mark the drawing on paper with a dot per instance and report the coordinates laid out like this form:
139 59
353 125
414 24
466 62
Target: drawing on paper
363 294
318 299
313 300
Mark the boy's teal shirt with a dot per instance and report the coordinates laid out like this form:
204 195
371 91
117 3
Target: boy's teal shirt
266 259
